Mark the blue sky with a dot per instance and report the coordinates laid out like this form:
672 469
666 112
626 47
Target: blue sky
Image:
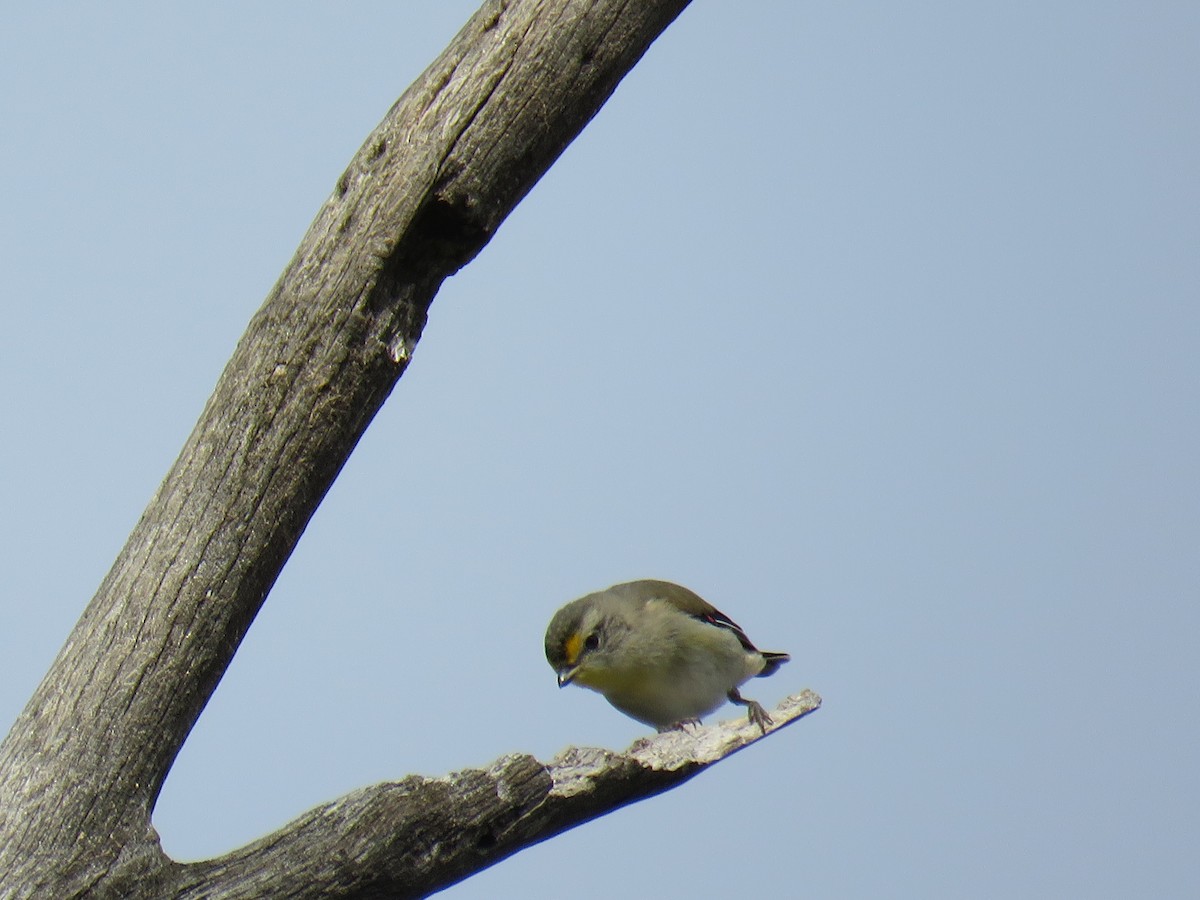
875 324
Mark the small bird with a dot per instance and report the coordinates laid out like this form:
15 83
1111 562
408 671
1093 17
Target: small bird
658 653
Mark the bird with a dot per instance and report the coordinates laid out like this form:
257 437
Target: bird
657 652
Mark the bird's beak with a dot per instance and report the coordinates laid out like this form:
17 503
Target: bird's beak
566 676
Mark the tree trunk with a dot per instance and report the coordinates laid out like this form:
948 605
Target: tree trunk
83 765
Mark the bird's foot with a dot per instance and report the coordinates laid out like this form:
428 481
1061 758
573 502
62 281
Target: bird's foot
754 710
681 725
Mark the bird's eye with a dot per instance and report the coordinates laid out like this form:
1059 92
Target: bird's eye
591 642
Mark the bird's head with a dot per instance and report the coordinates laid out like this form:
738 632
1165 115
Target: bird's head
580 641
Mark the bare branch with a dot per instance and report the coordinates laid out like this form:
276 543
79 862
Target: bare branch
416 836
83 764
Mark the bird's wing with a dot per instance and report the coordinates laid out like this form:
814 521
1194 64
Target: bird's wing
698 608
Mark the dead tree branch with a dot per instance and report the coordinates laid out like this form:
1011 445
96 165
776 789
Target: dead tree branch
420 835
83 765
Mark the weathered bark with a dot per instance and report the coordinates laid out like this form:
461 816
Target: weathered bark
419 835
83 765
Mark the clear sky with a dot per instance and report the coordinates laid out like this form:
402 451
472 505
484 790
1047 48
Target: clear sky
876 324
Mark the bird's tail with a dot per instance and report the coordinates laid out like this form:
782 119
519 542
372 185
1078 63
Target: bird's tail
771 662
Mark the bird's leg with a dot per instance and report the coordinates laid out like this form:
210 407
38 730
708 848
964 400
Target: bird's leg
681 725
754 709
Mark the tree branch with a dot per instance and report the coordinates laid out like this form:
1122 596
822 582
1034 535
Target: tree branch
84 762
420 835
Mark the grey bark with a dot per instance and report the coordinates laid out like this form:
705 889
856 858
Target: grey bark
419 835
83 765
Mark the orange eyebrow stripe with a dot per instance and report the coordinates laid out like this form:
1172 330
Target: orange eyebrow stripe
572 647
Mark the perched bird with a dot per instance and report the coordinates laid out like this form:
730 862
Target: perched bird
657 652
